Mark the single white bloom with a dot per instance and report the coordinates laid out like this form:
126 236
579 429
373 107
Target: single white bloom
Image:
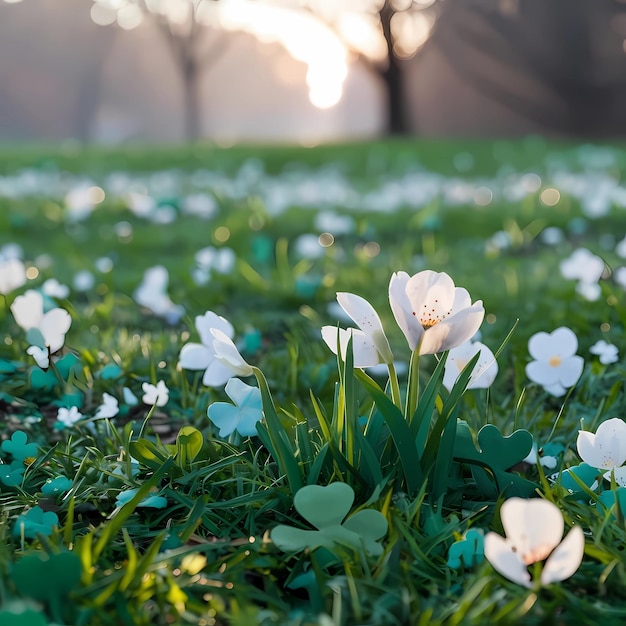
108 408
607 352
28 313
157 394
369 343
606 449
226 353
534 531
70 416
589 291
53 288
548 462
152 294
556 365
433 314
201 356
484 372
12 275
582 265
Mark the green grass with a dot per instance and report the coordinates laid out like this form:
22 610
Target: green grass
208 557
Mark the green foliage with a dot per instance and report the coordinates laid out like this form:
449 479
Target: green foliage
364 497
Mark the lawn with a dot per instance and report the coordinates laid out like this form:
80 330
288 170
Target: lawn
181 443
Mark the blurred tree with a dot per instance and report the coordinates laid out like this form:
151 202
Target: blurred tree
381 34
185 24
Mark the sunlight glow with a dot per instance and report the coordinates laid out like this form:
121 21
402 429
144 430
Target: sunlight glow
304 37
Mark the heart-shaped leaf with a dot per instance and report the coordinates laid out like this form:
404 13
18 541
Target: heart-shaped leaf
495 450
324 506
42 380
47 577
35 522
26 617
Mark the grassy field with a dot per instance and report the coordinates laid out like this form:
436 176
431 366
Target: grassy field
149 516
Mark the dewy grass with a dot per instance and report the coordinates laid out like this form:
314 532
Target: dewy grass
120 503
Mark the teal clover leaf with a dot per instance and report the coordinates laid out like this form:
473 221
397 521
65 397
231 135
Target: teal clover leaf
56 486
584 473
18 448
610 498
22 616
243 415
152 502
35 522
11 475
468 551
325 508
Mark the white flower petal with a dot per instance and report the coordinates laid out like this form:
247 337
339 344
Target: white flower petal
533 526
53 326
204 324
28 309
453 331
606 448
195 356
40 355
402 311
542 373
217 374
500 553
570 370
226 352
565 559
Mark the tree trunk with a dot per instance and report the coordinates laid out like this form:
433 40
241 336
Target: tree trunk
392 76
191 99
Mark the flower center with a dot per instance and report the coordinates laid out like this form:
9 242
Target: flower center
536 555
431 314
555 361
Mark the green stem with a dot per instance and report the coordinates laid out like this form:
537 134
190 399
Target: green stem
56 372
412 394
395 387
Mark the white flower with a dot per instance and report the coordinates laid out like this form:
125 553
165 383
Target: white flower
152 294
556 365
607 352
46 331
108 408
53 288
484 372
12 275
546 461
155 394
587 268
606 449
70 416
201 356
534 529
226 353
369 343
620 248
619 275
433 314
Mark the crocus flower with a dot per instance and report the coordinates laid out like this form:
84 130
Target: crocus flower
12 275
556 365
243 415
606 449
201 356
45 330
433 314
369 343
484 372
607 352
155 394
227 354
534 532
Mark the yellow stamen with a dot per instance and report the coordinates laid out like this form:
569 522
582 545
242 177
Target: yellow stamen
555 361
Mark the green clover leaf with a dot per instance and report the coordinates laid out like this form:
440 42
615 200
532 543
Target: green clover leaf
11 475
55 486
325 508
18 448
468 551
35 522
